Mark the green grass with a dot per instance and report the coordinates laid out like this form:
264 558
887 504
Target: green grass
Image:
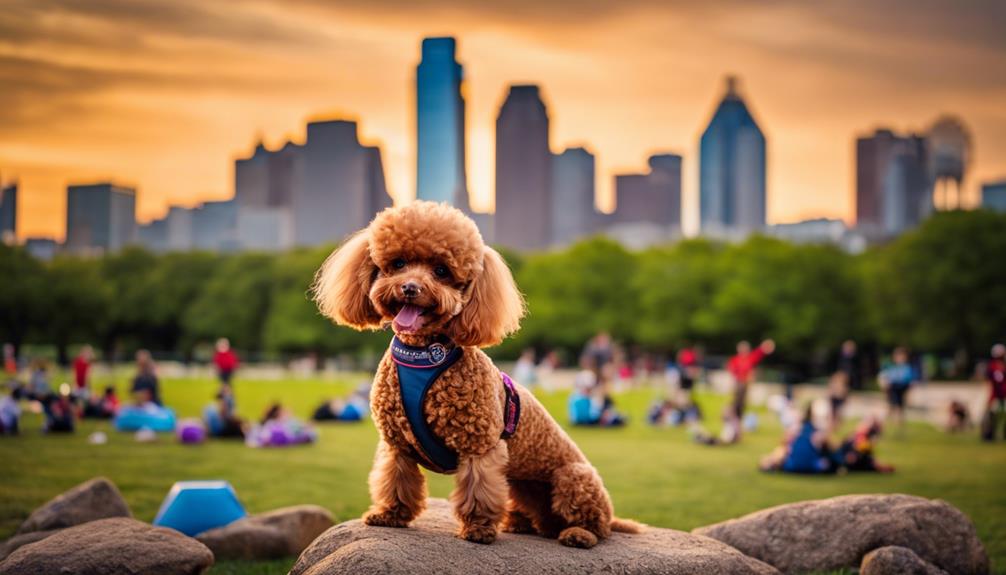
654 475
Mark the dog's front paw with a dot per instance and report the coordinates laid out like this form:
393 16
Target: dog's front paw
478 534
577 537
385 518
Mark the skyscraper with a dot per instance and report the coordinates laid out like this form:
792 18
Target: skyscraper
340 183
523 171
8 213
573 189
893 187
732 193
100 218
994 196
654 197
440 125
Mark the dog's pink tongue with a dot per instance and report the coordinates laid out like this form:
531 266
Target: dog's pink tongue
409 318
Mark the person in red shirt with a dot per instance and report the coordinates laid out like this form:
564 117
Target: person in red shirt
226 361
995 374
82 365
742 367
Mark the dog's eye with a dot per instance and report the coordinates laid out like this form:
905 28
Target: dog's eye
398 263
441 272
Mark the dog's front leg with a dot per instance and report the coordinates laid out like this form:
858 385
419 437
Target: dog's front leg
480 494
397 489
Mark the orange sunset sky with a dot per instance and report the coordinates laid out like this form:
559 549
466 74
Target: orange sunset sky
164 94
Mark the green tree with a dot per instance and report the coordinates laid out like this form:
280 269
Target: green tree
940 287
22 302
234 303
574 294
77 304
674 283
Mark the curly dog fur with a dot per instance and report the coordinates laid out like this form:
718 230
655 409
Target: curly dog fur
536 481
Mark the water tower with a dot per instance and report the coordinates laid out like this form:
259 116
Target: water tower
949 150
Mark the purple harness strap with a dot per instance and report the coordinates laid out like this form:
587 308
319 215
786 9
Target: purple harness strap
511 408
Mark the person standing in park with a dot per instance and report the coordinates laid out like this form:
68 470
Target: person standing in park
9 362
226 361
82 367
849 365
742 367
146 388
995 375
896 379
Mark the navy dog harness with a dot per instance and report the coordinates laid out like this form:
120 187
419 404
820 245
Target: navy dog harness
418 368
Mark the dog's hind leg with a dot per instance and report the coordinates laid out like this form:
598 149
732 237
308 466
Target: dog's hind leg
579 497
530 509
397 489
480 494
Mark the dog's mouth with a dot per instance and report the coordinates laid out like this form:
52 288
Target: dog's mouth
410 318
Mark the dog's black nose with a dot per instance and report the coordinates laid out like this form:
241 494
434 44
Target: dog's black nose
410 289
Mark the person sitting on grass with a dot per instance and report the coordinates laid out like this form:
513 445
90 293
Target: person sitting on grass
730 433
102 407
278 428
353 408
146 388
958 417
804 451
856 451
38 382
590 404
10 410
59 411
221 418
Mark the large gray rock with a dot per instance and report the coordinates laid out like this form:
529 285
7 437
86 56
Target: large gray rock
833 534
279 533
430 547
894 560
94 499
111 547
18 541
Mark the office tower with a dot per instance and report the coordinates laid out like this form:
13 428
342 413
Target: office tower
100 218
573 210
893 186
523 171
214 225
337 187
440 125
8 213
732 194
654 197
251 178
153 235
266 178
994 196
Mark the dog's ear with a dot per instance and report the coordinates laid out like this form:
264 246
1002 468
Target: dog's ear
342 285
494 307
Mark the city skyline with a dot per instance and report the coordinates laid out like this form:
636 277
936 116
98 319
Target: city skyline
171 103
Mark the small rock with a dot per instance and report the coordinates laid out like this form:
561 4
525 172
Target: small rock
109 547
280 533
895 560
834 534
18 541
429 546
94 499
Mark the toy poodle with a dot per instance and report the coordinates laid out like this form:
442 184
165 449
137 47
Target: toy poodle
438 400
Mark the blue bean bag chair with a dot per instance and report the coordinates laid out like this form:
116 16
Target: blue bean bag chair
196 506
150 416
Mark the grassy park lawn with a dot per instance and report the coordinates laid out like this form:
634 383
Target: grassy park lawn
655 475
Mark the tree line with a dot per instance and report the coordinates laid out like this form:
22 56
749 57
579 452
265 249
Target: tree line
939 288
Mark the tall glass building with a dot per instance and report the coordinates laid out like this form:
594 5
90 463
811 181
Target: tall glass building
440 122
732 169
